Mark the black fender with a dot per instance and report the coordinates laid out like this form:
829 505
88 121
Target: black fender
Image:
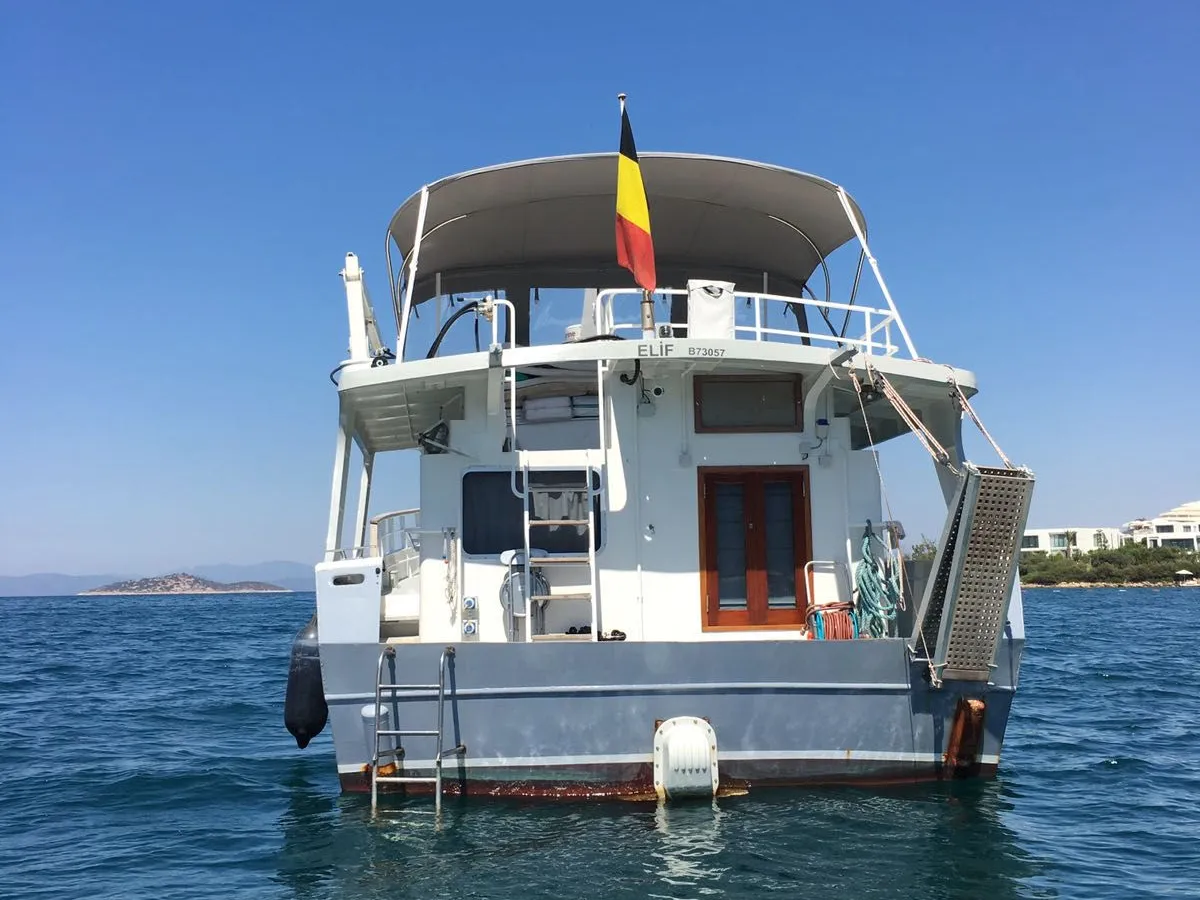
304 709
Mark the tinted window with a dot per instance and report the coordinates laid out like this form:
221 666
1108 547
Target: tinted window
493 517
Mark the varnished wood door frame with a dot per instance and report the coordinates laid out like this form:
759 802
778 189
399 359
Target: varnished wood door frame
756 615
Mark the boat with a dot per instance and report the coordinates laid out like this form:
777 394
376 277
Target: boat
653 555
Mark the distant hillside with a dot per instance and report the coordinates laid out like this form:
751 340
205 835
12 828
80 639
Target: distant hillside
291 576
183 583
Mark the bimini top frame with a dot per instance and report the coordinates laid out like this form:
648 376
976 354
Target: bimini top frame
550 222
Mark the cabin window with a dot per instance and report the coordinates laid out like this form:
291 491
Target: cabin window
754 542
493 518
726 403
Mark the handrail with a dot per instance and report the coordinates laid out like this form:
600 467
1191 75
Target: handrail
876 320
378 520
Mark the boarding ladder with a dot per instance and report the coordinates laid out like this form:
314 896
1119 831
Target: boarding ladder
536 589
964 610
963 613
395 735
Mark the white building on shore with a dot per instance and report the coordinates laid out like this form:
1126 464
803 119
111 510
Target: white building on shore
1080 538
1178 527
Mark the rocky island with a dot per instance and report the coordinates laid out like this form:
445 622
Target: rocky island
183 583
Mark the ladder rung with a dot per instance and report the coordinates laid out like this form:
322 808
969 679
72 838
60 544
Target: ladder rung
541 489
408 687
586 596
406 733
558 561
535 522
406 779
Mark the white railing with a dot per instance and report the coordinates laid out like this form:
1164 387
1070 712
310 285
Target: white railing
395 531
874 326
389 533
396 537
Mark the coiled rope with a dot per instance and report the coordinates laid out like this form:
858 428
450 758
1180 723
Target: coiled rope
878 592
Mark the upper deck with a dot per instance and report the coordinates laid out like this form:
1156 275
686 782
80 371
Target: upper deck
743 255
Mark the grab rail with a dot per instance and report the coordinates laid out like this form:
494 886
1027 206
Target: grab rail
390 531
874 320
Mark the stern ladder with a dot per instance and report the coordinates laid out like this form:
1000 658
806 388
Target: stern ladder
387 659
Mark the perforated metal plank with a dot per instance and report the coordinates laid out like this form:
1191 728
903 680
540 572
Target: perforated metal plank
928 622
997 502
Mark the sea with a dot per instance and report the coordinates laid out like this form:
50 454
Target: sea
143 755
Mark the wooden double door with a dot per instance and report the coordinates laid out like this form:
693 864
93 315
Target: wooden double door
755 538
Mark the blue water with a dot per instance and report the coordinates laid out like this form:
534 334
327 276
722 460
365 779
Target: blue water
142 754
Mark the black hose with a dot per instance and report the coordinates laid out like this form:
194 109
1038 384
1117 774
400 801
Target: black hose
437 341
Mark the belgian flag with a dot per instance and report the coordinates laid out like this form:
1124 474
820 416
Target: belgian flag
635 249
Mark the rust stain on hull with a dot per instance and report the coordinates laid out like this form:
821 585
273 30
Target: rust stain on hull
641 789
961 758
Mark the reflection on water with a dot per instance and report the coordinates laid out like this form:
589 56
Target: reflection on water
942 841
690 840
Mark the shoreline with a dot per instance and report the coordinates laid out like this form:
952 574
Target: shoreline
174 593
1112 584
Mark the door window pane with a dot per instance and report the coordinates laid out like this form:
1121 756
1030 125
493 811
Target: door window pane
731 545
779 532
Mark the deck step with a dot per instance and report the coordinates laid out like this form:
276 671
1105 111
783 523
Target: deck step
562 636
586 595
558 561
533 523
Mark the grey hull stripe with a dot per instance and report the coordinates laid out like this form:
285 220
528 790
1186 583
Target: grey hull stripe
539 762
693 688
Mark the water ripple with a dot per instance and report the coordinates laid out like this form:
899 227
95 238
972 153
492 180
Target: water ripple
148 759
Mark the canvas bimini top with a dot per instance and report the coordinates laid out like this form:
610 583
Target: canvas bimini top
552 221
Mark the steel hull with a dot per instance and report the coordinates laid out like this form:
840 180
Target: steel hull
578 719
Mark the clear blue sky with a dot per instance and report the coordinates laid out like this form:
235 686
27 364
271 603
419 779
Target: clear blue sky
180 183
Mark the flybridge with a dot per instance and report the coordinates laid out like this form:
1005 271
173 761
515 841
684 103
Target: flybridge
513 228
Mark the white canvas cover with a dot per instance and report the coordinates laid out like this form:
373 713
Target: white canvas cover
710 309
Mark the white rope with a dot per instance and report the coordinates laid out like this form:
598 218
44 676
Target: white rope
966 405
924 435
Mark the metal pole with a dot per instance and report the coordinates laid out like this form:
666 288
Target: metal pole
364 501
410 282
337 500
647 315
862 241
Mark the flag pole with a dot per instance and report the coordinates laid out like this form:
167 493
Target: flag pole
648 329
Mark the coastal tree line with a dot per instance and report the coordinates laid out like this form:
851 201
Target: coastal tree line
1130 564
